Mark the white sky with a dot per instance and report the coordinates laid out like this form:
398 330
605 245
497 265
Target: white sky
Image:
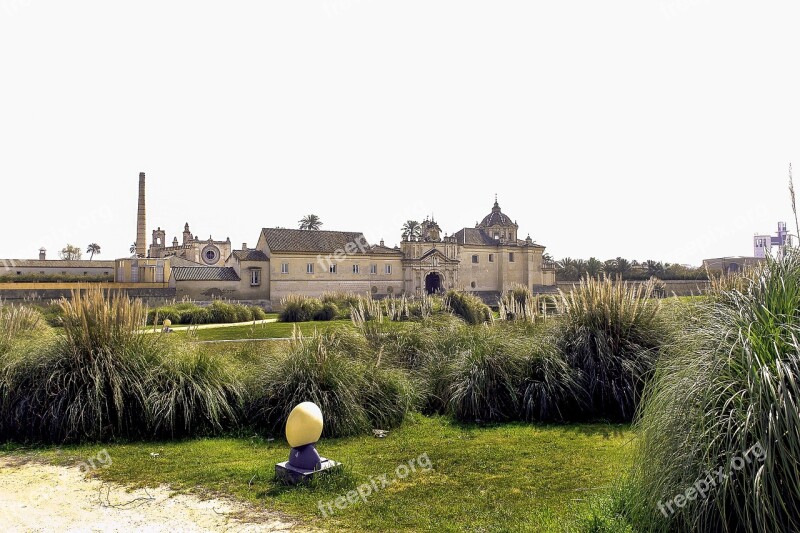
646 129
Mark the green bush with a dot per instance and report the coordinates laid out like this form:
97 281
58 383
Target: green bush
327 311
257 313
355 396
101 378
297 308
468 306
484 380
217 313
549 389
193 393
728 393
611 334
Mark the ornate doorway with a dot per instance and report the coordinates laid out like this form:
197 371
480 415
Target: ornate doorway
433 283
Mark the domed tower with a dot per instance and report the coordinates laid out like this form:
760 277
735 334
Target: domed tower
499 225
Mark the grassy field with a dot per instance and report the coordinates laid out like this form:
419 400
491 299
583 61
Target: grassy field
269 330
513 477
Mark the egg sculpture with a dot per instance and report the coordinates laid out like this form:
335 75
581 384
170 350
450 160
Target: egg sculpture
303 430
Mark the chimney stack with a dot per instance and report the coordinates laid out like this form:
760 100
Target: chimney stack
244 246
42 254
141 221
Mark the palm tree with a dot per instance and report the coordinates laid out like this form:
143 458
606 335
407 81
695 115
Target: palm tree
133 248
654 268
310 222
93 248
411 230
623 266
594 267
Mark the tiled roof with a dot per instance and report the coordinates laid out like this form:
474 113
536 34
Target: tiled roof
204 274
250 255
178 261
479 237
474 236
384 250
56 263
315 241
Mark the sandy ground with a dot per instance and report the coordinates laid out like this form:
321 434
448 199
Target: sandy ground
39 497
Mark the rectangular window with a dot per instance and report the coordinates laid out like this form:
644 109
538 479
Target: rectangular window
510 257
491 258
474 258
355 269
388 269
255 277
332 269
284 268
310 268
373 269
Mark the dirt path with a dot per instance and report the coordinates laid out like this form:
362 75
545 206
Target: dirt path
39 497
151 329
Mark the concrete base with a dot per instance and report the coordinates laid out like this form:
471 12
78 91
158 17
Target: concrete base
294 476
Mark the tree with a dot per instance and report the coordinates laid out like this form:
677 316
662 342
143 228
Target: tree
623 266
70 253
310 222
411 230
133 248
93 249
594 267
654 268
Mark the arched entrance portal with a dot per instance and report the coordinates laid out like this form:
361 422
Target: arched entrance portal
433 283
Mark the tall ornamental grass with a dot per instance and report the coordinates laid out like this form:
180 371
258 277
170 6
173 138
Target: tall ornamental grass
354 392
103 377
611 334
726 401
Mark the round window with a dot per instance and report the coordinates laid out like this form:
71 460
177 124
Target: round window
473 284
389 290
374 290
210 254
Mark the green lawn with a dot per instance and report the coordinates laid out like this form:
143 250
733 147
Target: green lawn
269 330
512 477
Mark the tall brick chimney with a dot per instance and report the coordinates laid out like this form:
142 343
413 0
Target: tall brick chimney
141 221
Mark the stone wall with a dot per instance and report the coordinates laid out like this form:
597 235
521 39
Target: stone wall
672 287
15 292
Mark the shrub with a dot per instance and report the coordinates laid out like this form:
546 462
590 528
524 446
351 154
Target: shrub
549 388
726 393
18 321
353 395
484 380
103 378
196 315
297 308
611 334
468 306
223 313
193 393
327 311
91 383
257 313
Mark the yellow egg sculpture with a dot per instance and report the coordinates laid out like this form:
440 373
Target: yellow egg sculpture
304 425
167 323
